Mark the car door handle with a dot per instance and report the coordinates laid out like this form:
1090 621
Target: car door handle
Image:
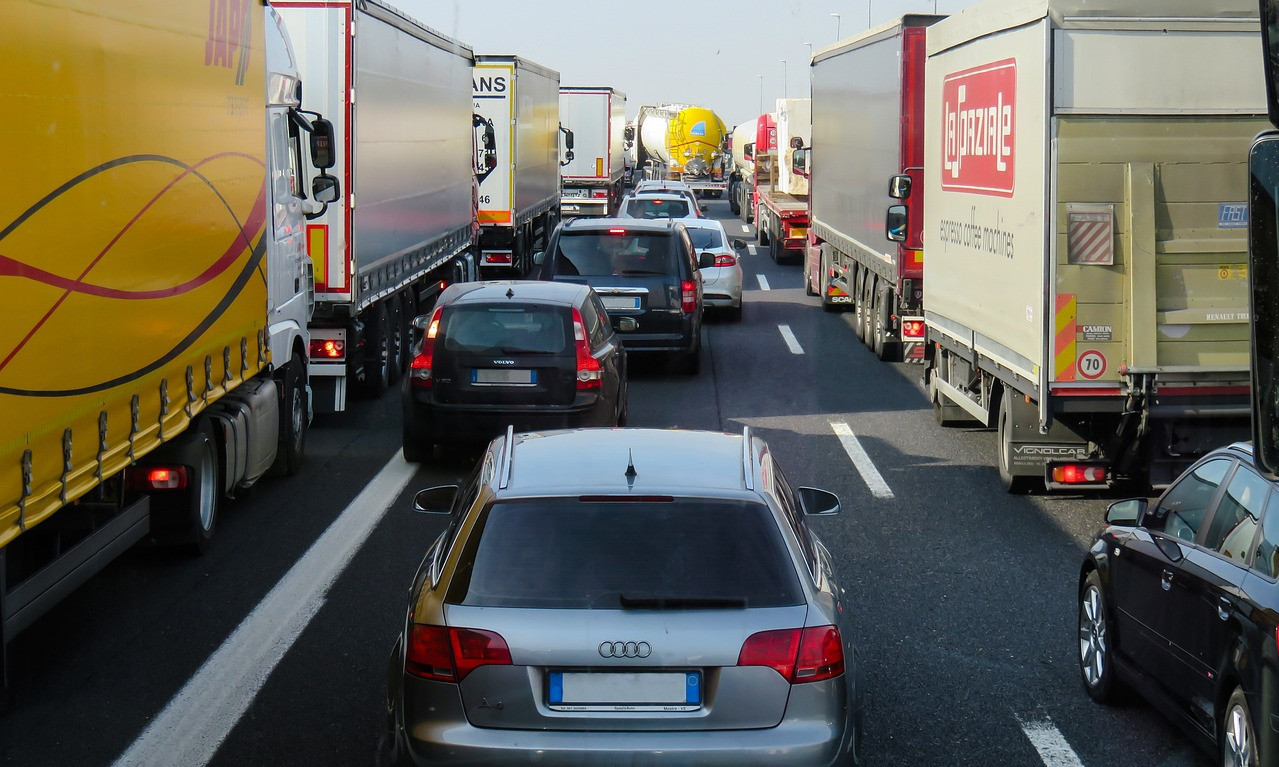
1223 608
1166 584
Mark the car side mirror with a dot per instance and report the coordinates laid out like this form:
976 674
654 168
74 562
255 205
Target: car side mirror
818 503
739 244
705 260
895 225
899 187
703 208
539 257
1128 513
435 500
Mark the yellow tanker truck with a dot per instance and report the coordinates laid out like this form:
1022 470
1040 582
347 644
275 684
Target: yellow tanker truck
680 142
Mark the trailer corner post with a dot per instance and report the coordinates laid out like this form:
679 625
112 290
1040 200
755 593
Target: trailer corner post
1139 200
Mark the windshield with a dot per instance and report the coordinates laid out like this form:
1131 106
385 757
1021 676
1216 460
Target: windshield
591 254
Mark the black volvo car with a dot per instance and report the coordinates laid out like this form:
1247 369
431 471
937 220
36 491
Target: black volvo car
1179 599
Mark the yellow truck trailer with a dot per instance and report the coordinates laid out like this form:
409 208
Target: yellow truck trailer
1085 287
152 358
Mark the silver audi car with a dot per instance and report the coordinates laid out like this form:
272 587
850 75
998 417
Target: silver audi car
626 596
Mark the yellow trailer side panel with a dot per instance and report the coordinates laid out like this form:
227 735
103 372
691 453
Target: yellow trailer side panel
130 250
1175 295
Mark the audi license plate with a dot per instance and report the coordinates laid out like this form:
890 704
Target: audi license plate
503 377
621 302
653 691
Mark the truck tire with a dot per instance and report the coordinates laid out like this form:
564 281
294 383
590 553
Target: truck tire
377 351
823 280
885 349
1012 484
294 415
774 250
397 339
188 517
761 232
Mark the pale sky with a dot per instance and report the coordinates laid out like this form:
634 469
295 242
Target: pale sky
705 52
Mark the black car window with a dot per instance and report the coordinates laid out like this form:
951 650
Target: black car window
1185 505
795 516
467 493
619 253
603 329
644 207
506 329
570 553
1234 523
1265 558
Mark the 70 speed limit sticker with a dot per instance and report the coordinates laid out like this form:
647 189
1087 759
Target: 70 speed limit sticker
1092 364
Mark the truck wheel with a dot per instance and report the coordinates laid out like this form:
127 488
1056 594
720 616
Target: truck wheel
864 309
761 232
294 415
884 349
1012 484
377 352
397 340
774 250
407 313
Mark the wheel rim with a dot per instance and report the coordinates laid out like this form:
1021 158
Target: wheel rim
208 479
298 419
1240 749
1092 637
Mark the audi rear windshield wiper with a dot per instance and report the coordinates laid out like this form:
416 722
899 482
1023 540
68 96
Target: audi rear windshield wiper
674 602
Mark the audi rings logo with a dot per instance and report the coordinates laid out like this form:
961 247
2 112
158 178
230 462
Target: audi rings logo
625 649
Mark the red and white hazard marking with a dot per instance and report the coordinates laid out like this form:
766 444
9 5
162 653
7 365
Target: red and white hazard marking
1091 238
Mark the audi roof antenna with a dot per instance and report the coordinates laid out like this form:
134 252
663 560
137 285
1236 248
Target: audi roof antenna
631 474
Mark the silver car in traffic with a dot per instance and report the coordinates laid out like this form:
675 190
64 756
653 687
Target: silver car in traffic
721 283
626 596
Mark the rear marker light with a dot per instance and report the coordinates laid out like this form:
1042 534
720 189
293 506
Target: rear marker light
420 367
1076 474
589 373
327 349
153 478
913 329
599 195
799 655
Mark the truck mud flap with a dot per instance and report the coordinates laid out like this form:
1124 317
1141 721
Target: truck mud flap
1031 453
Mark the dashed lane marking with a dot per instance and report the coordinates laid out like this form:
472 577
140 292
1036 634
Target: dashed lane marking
792 342
865 466
746 228
1050 743
763 282
194 724
754 251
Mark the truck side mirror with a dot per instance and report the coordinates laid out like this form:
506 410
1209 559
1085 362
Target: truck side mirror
628 133
796 142
326 189
799 162
748 151
896 223
322 144
568 137
899 187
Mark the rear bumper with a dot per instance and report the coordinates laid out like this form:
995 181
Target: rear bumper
430 423
577 206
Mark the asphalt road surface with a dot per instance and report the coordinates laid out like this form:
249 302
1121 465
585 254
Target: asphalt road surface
271 649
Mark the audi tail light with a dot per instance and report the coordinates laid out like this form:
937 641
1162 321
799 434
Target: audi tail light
420 367
799 655
449 654
688 296
589 373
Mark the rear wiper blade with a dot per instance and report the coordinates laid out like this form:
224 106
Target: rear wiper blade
677 602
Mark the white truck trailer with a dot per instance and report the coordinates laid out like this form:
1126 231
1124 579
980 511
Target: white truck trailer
520 195
1085 286
592 179
399 95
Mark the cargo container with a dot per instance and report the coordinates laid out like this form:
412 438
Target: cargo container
592 180
680 142
1085 286
780 195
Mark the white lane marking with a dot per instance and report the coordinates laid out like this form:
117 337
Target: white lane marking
792 342
198 719
763 282
754 251
865 466
746 228
1050 743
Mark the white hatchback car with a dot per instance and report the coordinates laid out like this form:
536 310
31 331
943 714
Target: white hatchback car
721 283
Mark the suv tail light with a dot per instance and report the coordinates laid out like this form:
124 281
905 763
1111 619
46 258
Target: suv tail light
799 655
725 259
420 367
448 654
589 373
688 296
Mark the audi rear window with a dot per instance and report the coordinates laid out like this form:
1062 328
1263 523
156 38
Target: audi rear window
622 253
683 553
506 329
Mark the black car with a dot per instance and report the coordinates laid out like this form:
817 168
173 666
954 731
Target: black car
534 355
1178 599
646 273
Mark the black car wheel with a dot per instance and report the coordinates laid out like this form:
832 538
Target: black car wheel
1238 739
1096 665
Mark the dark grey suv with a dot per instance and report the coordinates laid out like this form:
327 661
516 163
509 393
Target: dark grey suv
646 273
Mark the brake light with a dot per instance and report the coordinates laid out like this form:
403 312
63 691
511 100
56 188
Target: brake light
589 373
913 329
500 257
158 478
725 259
450 654
1078 474
599 194
617 231
327 349
420 367
688 296
799 655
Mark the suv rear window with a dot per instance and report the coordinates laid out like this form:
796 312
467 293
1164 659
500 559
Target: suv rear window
640 207
602 253
506 328
568 553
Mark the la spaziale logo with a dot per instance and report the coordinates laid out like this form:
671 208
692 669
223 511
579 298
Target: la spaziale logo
979 118
230 36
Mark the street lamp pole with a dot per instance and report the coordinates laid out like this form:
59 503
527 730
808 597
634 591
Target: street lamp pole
784 78
836 15
868 14
761 93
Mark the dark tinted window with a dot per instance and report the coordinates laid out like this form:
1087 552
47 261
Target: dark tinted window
602 253
705 239
1234 523
603 329
643 207
573 554
1186 504
506 329
1266 558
